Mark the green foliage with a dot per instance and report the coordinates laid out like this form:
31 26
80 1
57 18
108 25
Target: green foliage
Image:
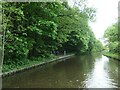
112 36
16 44
34 30
98 46
112 55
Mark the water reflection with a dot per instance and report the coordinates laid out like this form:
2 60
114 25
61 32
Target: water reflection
87 71
99 77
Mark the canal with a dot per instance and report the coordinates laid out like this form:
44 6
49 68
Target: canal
86 71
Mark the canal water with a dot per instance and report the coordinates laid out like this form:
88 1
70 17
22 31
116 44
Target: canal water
86 71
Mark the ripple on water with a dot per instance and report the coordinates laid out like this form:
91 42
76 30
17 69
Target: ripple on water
85 72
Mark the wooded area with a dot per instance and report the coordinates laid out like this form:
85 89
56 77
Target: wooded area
37 29
113 38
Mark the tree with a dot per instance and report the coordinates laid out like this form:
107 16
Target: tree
35 29
112 36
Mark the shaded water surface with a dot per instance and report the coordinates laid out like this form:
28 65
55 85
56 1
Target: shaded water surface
87 71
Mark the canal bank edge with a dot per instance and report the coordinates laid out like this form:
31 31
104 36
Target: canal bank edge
112 56
35 65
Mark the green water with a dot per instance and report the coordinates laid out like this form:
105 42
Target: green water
87 71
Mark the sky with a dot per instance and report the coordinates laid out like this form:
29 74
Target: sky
106 15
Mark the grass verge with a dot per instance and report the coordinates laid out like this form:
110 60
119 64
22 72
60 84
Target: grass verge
112 55
26 63
13 68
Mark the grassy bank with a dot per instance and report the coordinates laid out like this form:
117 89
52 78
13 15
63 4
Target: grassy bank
13 68
25 63
112 55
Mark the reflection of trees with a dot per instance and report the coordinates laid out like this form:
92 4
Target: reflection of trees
69 73
75 69
97 55
112 69
104 73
